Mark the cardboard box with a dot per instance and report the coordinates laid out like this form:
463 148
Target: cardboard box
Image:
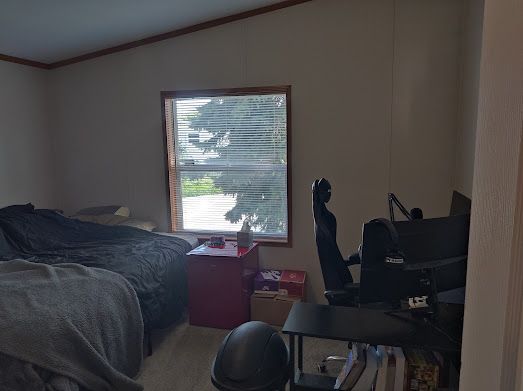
267 281
292 283
271 309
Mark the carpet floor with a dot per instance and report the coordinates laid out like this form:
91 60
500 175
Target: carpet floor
183 356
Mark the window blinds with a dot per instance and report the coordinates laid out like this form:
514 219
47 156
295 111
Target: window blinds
228 162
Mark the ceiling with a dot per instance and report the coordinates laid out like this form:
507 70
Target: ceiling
52 30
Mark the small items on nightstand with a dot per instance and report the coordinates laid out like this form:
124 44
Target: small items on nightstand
244 237
216 241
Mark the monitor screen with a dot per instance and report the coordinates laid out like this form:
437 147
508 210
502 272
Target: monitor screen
460 204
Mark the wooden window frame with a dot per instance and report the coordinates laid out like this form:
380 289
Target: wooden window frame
170 153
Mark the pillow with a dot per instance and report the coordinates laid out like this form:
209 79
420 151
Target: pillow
105 210
108 219
105 219
141 224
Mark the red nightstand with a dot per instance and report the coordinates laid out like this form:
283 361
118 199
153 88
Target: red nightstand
220 284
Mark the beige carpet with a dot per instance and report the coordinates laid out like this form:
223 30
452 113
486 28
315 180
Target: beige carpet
183 355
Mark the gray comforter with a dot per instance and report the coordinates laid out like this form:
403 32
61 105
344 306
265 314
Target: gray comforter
67 327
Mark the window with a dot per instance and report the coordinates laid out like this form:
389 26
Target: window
228 154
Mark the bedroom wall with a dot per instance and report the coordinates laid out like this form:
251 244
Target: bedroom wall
26 173
467 122
374 109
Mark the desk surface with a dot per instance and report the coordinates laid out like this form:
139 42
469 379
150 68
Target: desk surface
368 326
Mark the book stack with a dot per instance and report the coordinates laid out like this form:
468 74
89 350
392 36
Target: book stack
359 371
422 370
385 368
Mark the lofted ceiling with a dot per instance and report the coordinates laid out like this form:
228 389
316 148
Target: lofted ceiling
53 30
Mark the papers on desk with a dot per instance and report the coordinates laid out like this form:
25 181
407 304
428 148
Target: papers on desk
384 368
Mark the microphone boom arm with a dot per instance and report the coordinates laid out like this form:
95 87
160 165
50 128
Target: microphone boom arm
394 200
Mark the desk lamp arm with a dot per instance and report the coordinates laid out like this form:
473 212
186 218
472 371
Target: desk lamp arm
392 199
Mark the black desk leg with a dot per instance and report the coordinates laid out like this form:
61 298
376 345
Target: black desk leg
300 353
291 363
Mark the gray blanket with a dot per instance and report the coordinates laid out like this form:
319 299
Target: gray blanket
83 325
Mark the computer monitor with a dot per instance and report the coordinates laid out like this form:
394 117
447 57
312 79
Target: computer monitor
460 204
440 244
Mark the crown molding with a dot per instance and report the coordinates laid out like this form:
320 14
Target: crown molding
24 61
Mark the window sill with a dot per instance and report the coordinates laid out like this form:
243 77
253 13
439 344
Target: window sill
266 242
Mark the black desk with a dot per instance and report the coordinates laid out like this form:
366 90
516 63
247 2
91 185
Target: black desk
368 326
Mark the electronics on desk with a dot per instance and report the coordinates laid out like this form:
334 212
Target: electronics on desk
434 251
418 302
415 258
414 214
460 204
385 368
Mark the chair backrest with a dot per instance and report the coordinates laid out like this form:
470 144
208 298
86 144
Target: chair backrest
333 267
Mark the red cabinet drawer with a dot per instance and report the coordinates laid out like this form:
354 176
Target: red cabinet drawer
220 288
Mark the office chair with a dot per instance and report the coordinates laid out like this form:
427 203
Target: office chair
340 288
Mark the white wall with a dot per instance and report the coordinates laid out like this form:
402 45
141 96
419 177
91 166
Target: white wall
425 103
25 149
374 108
471 56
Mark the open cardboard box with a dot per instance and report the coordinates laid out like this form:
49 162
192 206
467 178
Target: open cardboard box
271 308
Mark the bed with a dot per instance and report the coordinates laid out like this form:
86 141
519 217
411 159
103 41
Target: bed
153 264
68 327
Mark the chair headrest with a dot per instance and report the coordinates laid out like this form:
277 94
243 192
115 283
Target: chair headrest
322 188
